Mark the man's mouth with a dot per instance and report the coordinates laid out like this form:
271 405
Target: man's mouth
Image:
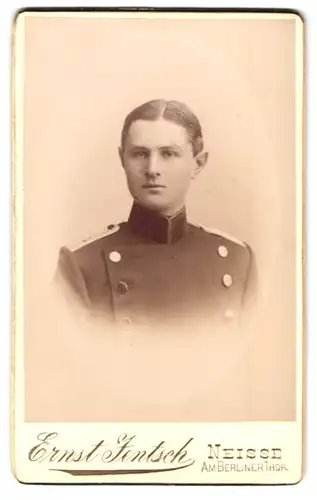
153 186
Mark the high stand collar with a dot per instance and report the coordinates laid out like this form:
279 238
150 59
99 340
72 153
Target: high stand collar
156 227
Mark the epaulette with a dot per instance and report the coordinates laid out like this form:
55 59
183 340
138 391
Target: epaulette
222 235
111 229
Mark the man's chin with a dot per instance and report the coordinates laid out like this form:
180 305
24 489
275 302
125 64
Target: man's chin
152 204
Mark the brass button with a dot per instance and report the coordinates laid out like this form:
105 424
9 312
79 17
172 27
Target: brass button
122 288
229 313
114 256
222 251
227 280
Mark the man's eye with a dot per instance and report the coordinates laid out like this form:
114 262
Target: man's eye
169 154
139 154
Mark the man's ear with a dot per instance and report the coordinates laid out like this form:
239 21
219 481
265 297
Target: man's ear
120 151
201 160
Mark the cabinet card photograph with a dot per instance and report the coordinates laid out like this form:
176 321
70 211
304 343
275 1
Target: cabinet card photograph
158 246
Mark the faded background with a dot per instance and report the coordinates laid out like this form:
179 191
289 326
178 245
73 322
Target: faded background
82 76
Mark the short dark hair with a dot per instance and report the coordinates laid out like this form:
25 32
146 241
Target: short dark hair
173 111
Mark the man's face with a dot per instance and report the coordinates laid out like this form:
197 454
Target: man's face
158 161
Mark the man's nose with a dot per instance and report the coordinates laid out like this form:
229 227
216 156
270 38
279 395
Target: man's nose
153 167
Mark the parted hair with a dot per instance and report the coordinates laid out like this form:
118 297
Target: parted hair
174 111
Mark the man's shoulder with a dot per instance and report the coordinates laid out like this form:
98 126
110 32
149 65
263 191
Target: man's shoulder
223 241
92 247
229 254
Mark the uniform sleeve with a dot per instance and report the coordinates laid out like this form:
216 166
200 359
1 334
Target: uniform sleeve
70 274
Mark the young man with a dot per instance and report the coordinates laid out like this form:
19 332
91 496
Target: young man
157 269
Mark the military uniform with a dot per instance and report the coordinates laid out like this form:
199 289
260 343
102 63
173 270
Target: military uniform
154 270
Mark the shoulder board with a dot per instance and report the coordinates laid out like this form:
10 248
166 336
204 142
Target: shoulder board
111 229
216 232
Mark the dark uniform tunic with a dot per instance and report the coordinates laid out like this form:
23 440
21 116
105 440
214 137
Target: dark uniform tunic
152 271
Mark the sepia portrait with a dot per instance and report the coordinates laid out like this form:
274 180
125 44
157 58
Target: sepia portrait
160 217
176 274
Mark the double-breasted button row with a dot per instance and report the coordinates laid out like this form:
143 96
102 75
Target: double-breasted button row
227 278
122 287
